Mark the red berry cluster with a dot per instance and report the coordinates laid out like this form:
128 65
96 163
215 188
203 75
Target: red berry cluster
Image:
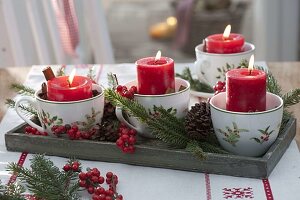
126 139
92 181
219 87
72 166
124 92
33 131
72 131
59 129
75 134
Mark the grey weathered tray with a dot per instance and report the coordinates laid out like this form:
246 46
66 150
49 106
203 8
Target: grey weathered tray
153 153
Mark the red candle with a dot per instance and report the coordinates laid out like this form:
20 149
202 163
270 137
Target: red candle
61 89
246 90
224 43
155 75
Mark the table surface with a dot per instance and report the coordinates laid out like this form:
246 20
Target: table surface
287 74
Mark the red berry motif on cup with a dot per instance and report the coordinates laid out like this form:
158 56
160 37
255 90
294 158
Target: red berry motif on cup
126 139
124 92
219 87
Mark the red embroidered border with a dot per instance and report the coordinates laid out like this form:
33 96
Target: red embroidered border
268 190
21 161
208 188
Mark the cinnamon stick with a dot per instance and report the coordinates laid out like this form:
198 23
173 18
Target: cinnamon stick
43 94
48 73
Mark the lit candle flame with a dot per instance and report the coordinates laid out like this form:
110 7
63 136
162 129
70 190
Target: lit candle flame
227 31
71 77
251 63
158 55
172 21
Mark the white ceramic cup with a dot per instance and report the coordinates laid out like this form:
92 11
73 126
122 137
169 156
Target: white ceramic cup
84 113
211 67
243 133
178 100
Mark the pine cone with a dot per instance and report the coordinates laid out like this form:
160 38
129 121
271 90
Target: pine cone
198 123
108 130
109 111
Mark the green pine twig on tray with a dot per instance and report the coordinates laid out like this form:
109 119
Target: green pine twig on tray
272 85
163 124
112 80
22 89
91 74
291 98
61 71
12 191
196 85
46 181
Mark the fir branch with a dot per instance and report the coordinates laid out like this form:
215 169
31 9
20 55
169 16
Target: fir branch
163 123
160 130
291 98
272 85
13 191
61 71
132 107
208 147
28 110
167 134
168 117
196 84
112 80
45 180
91 74
22 89
243 64
195 149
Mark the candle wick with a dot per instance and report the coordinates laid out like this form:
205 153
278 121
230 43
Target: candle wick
250 71
69 83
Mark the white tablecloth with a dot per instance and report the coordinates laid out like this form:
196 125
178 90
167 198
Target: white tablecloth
146 183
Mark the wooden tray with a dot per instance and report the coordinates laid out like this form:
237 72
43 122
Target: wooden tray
153 153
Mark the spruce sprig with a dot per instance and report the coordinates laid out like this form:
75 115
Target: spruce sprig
209 147
162 123
28 110
12 191
167 133
112 80
291 98
61 71
194 148
22 89
273 85
91 74
168 117
46 181
132 107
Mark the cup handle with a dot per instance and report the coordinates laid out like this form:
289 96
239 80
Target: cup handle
119 114
199 70
32 102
